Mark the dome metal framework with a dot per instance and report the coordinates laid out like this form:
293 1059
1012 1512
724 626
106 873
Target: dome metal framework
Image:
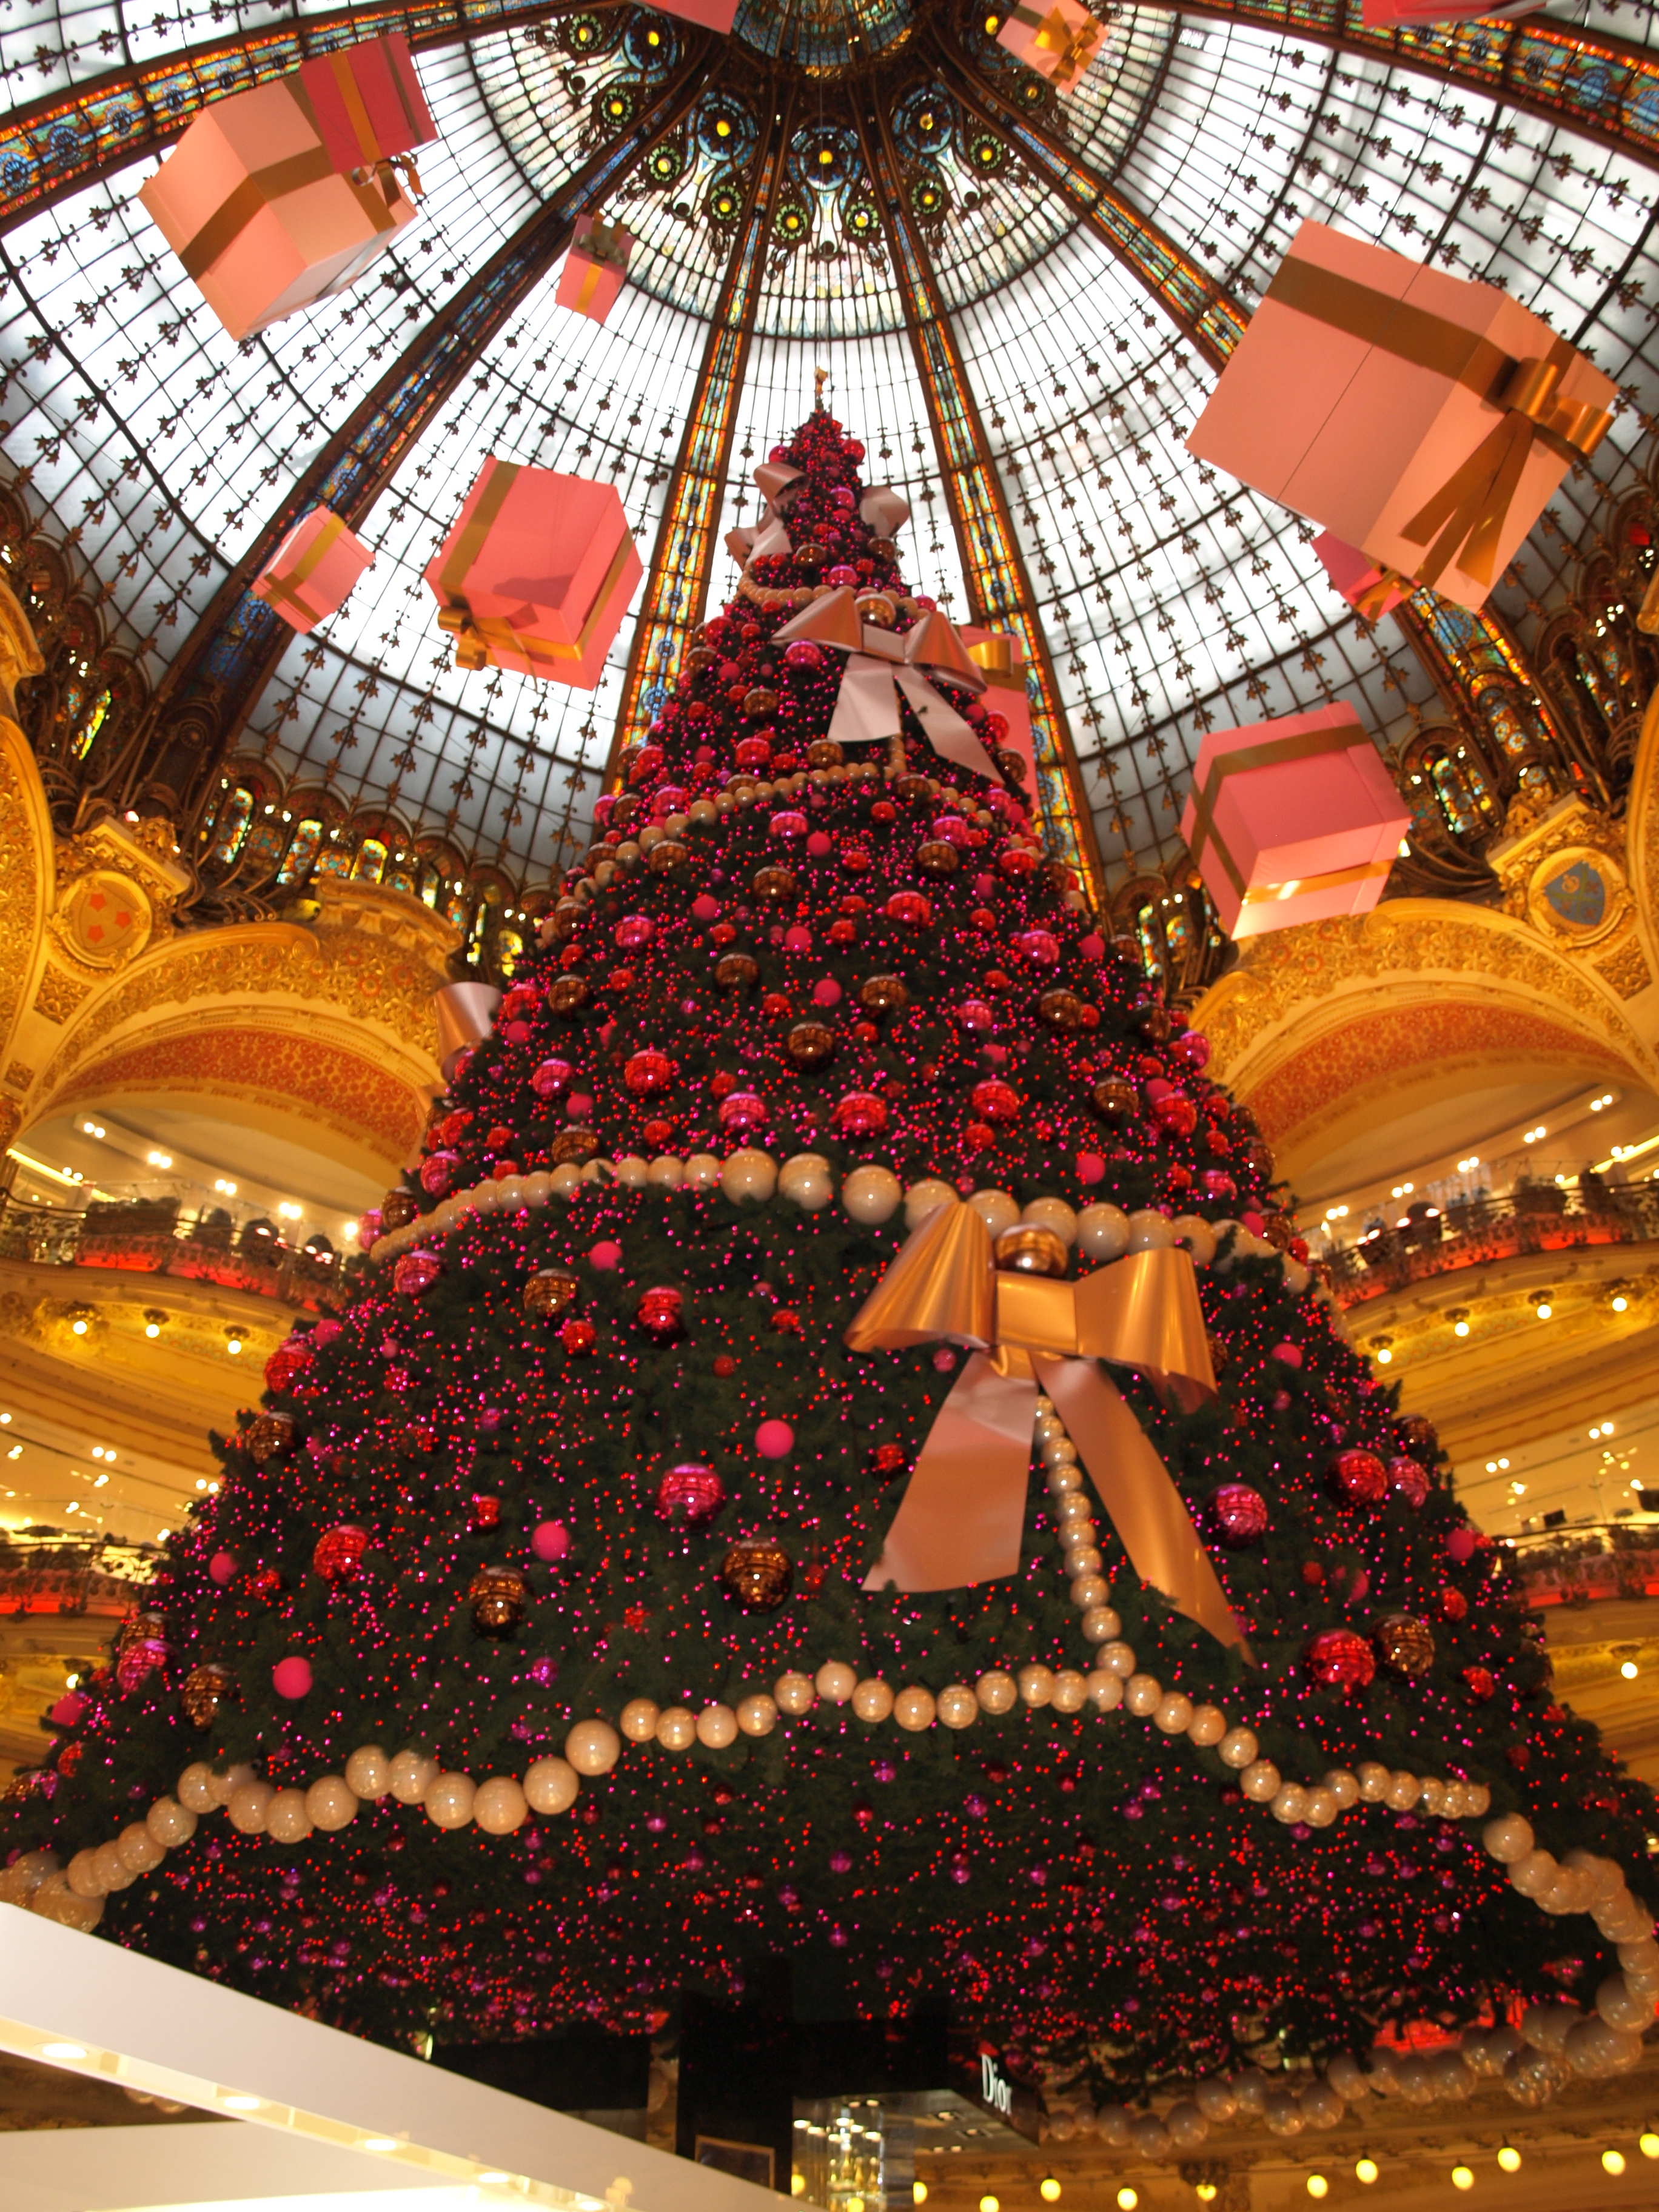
1021 301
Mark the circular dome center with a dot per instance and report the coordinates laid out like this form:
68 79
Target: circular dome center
824 38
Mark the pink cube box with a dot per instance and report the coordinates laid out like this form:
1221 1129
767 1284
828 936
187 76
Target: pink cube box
312 572
1371 590
1292 820
536 574
1421 418
712 15
596 268
366 101
253 206
997 654
1056 38
1383 15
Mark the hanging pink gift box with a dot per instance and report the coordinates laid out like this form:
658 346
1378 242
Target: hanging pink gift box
1384 14
595 267
1423 419
312 572
712 15
1292 820
1056 38
252 205
997 654
536 574
366 101
1369 589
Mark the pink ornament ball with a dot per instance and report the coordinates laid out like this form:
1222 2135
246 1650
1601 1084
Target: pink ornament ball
1091 946
415 1272
798 939
1338 1659
634 932
579 1105
820 845
221 1567
551 1540
1461 1545
691 1493
68 1710
292 1677
774 1440
1409 1479
975 1014
826 992
551 1077
605 1256
438 1172
1090 1168
743 1111
704 908
801 653
841 576
1287 1355
1241 1514
1040 946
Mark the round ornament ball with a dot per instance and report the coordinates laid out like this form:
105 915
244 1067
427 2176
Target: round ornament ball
291 1677
338 1556
1114 1103
398 1209
1030 1249
808 1044
884 994
206 1692
1241 1514
691 1493
775 1439
268 1434
1420 1437
1359 1478
1409 1479
498 1597
550 1290
1405 1644
551 1540
648 1073
1480 1683
1338 1659
661 1313
222 1568
756 1574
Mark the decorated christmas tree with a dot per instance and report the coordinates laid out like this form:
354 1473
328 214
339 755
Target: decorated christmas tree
839 1459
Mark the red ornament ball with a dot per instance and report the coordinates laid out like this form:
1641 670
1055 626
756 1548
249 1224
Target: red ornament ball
661 1313
1454 1606
1359 1478
994 1101
691 1493
909 908
646 1072
579 1336
338 1556
289 1359
1339 1659
1480 1683
1241 1514
1408 1479
860 1114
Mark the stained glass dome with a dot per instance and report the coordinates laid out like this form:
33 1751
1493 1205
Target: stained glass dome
1022 300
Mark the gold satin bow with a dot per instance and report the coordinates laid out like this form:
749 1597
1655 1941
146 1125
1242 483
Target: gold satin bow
962 1513
1465 518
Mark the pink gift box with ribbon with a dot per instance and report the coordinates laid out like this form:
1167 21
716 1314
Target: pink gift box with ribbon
313 571
1369 589
252 204
1420 419
712 15
595 269
537 574
367 101
1292 820
1058 38
997 655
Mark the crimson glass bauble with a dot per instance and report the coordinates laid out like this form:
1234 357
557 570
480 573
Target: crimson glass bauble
1359 1478
339 1551
1338 1659
1241 1514
691 1492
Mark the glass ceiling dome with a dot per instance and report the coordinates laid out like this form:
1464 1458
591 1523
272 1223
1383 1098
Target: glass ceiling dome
1022 301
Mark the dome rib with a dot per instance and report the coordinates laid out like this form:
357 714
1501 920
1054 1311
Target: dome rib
1200 309
222 667
992 569
677 582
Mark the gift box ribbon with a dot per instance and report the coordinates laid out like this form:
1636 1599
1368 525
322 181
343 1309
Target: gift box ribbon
466 1014
1273 752
1072 50
340 68
474 635
261 188
962 1516
283 584
1465 518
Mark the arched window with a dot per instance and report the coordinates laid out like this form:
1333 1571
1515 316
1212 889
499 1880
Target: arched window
370 863
303 848
92 722
229 829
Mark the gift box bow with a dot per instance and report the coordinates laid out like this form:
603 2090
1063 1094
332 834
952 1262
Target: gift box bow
960 1517
1072 50
1465 516
606 242
882 666
475 634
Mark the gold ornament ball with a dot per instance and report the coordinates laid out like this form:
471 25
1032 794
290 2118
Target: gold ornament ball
206 1691
760 702
550 1290
573 1146
1031 1249
876 608
757 1574
1061 1009
884 994
936 856
567 993
498 1597
808 1044
1405 1643
773 886
398 1209
267 1434
824 752
662 860
735 971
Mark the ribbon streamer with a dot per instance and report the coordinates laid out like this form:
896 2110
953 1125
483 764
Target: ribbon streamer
466 1014
883 666
962 1516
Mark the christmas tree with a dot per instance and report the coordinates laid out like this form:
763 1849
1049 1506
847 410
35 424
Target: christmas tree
839 1460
